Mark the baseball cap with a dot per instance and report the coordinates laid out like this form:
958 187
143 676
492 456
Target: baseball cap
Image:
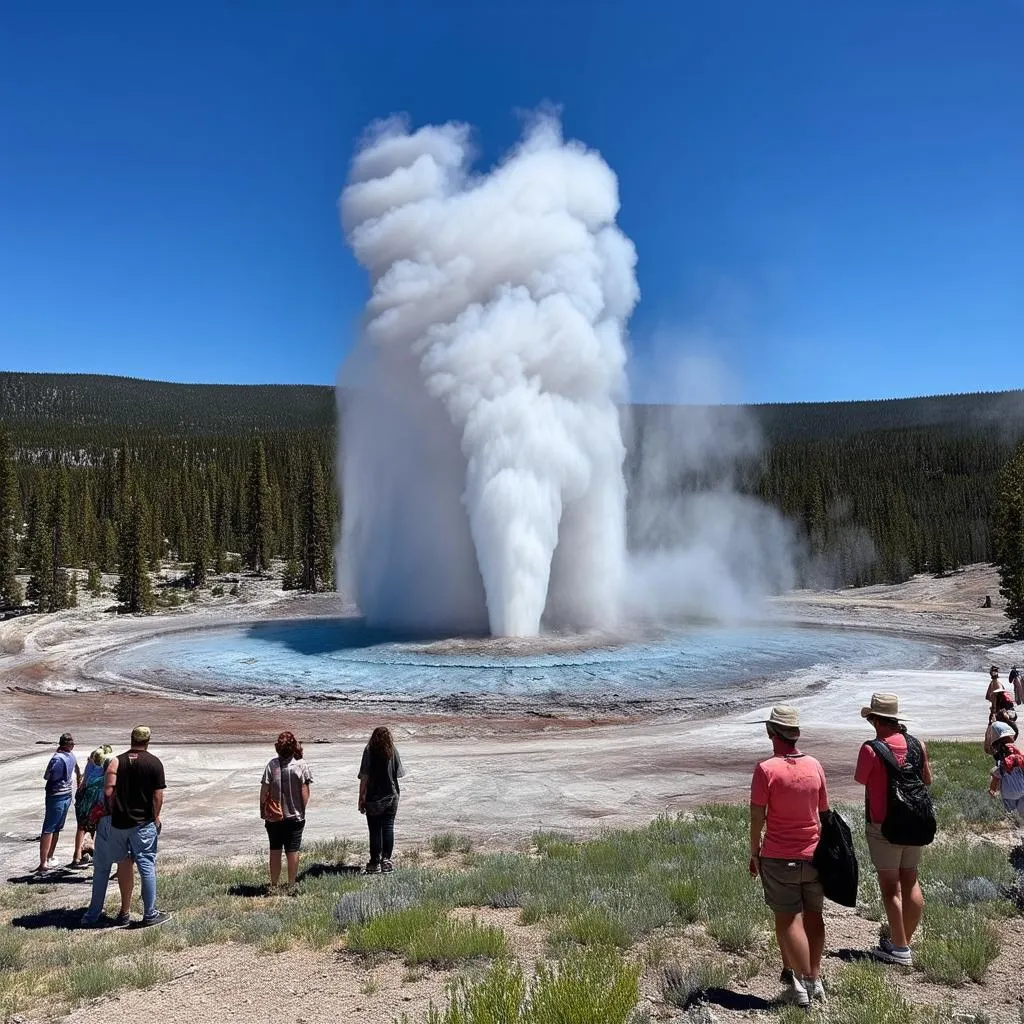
141 734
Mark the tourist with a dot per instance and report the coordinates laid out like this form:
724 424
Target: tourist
60 770
1003 712
895 863
1017 684
134 785
787 796
1008 773
994 686
379 772
284 795
89 802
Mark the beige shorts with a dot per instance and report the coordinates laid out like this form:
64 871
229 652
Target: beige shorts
791 886
887 857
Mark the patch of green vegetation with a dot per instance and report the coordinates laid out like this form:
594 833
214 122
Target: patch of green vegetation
683 986
448 842
957 945
589 987
425 934
12 951
99 977
861 994
960 774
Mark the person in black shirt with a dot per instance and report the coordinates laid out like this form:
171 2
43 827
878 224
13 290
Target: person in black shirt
134 790
379 772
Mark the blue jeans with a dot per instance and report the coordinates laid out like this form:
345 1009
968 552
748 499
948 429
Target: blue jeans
112 846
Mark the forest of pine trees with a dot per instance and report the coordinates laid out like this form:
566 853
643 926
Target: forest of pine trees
1009 539
182 500
215 477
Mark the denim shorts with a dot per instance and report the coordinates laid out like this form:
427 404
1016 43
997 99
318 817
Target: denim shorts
56 812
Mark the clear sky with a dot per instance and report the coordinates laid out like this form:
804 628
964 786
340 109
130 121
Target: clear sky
827 197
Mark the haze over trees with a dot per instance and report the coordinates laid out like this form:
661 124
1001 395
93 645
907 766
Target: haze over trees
111 475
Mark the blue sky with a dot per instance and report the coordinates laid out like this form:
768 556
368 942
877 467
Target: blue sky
827 198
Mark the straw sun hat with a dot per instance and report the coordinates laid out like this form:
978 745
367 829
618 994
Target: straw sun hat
786 717
884 705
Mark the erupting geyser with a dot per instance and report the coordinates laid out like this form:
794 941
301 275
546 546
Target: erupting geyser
481 455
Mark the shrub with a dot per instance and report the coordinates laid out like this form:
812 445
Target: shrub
12 955
585 988
443 844
957 945
595 987
374 901
683 987
426 935
861 994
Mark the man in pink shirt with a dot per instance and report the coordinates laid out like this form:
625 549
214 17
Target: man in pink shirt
787 796
896 865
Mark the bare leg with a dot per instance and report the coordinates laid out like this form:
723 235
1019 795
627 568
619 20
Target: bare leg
79 844
789 930
889 883
125 881
293 865
53 845
275 866
814 928
913 903
44 848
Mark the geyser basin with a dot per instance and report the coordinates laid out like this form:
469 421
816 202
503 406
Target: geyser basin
344 658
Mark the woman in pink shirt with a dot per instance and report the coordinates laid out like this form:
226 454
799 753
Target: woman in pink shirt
787 796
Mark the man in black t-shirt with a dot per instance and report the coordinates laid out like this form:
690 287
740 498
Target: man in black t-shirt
134 789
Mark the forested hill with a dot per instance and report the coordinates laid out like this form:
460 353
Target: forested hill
874 490
43 407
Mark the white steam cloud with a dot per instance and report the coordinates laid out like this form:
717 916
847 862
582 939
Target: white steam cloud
481 445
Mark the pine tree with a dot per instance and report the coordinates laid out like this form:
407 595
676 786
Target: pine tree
60 543
40 552
258 512
133 588
317 553
10 590
1009 540
95 581
202 542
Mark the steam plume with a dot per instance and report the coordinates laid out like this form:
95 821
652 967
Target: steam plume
481 447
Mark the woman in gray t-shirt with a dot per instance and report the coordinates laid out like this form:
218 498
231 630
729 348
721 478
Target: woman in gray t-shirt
284 794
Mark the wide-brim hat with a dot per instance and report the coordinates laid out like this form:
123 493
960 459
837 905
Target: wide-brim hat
884 705
784 716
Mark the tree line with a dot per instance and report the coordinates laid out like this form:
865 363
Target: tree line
197 501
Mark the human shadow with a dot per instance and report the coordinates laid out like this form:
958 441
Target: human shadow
249 891
851 956
739 1001
58 917
52 878
319 870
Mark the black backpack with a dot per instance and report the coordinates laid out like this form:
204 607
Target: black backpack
910 818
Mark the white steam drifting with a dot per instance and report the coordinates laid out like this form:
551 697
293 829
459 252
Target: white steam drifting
481 445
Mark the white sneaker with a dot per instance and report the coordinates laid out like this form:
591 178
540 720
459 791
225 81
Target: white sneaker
815 989
890 954
797 994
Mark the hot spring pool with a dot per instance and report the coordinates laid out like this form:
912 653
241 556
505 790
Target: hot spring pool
345 658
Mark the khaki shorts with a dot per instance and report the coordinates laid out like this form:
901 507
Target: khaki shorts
887 857
791 886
